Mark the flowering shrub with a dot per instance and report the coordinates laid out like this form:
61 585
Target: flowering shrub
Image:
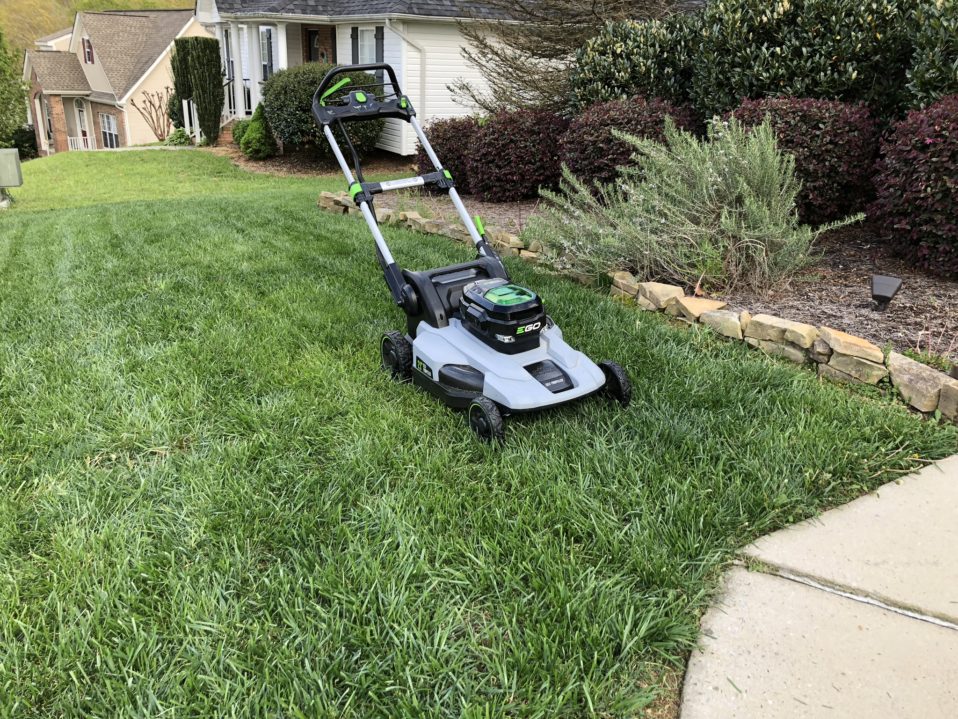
917 186
834 144
514 154
451 139
590 150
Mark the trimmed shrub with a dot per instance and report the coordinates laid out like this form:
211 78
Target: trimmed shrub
651 59
834 145
239 129
715 212
934 67
25 140
206 82
591 151
514 154
178 137
258 142
180 69
917 193
835 49
451 139
288 101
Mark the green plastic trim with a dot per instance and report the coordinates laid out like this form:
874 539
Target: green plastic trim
361 97
447 174
355 189
334 88
403 102
479 226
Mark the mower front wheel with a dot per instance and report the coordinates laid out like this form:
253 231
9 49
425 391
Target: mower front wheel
617 384
486 421
396 356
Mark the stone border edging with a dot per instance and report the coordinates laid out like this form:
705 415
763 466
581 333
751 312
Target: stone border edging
838 356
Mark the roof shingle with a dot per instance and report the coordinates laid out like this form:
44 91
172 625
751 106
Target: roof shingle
58 71
345 8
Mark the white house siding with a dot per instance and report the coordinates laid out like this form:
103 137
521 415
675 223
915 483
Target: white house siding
445 65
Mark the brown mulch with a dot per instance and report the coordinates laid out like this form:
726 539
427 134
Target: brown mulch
836 291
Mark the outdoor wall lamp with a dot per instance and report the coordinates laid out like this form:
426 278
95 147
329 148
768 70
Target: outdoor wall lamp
884 288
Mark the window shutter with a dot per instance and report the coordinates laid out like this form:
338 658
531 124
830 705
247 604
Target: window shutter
354 36
379 51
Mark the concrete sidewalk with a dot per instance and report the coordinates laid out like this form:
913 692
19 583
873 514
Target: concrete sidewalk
853 614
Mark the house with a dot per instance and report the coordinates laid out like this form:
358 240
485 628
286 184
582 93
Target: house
86 82
419 38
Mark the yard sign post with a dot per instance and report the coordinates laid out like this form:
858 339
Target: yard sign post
10 174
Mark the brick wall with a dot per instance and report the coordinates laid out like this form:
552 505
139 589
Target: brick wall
59 121
96 109
327 41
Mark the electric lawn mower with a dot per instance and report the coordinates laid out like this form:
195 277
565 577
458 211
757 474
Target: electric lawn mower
473 338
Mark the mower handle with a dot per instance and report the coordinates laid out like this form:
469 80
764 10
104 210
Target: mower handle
371 67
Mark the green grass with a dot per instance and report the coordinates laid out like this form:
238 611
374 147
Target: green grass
213 502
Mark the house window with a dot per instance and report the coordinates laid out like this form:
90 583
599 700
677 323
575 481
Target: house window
266 51
87 51
367 45
111 138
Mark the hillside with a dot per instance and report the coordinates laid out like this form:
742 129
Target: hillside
23 21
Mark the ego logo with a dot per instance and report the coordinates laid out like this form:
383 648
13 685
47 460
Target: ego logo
423 367
529 328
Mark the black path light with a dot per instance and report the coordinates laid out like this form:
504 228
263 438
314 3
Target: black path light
884 288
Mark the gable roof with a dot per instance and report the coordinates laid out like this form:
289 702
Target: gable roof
58 71
53 36
353 8
127 43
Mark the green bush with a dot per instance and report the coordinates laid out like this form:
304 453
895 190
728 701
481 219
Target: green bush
179 136
719 211
239 129
834 144
288 101
629 58
206 82
591 151
934 67
258 142
25 140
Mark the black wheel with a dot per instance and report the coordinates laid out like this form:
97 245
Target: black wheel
617 385
396 355
485 420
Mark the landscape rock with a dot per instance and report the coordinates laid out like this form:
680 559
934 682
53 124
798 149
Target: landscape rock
851 345
433 227
672 308
409 216
776 329
820 351
919 384
948 402
644 304
583 278
660 294
385 217
783 349
536 246
505 239
752 342
621 295
829 372
861 369
534 257
693 307
745 318
724 322
625 281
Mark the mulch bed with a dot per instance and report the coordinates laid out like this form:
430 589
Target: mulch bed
834 291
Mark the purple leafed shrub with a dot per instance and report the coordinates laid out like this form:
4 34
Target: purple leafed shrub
451 139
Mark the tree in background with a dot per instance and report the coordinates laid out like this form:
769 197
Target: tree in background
525 56
12 95
206 80
154 111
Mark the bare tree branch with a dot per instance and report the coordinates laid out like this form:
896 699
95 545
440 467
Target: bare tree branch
154 112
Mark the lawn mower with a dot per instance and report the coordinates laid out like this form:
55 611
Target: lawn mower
473 338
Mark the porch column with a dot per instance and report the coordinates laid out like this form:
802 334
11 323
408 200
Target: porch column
282 61
239 97
256 69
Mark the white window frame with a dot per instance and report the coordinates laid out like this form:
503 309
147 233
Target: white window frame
367 43
88 57
109 132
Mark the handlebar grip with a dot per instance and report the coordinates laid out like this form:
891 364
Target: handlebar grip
371 67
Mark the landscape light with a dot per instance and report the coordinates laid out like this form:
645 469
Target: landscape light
884 288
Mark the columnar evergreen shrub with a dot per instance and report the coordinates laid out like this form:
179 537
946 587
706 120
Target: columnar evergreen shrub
288 101
182 87
590 149
834 144
917 186
451 138
258 142
934 67
716 212
206 83
514 154
651 59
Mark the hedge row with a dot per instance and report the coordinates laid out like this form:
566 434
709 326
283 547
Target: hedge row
887 54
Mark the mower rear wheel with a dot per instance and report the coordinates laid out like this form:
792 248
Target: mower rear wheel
617 384
485 420
396 356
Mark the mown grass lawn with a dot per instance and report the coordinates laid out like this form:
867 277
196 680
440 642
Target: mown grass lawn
213 502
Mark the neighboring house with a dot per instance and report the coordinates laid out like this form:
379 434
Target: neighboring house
419 38
84 81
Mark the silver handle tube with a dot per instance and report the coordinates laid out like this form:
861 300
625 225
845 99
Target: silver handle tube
363 206
453 195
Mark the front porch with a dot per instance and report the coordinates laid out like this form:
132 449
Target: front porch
254 51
